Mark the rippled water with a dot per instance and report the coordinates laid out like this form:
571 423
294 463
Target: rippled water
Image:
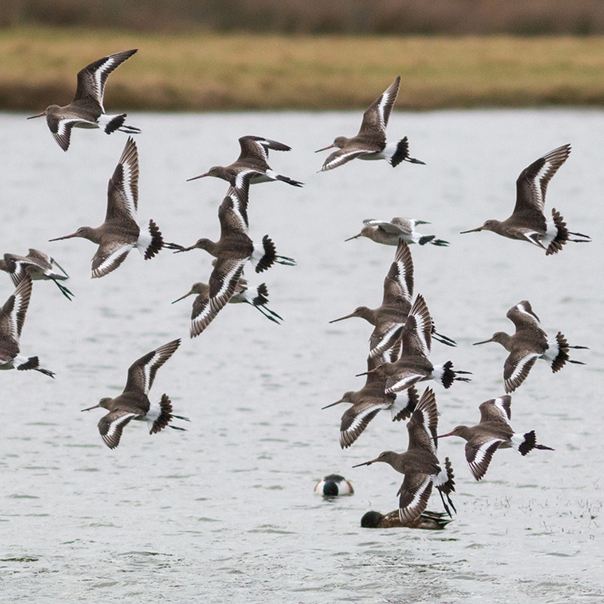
226 512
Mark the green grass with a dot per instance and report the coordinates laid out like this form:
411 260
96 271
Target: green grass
203 72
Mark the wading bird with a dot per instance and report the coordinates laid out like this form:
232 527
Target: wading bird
86 110
370 142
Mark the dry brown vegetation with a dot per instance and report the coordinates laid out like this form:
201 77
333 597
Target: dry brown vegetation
451 17
192 71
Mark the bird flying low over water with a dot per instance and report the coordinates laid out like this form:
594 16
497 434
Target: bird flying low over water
369 401
37 265
87 110
419 463
413 365
232 251
528 221
120 233
493 432
389 318
134 402
256 297
12 317
370 142
253 158
391 232
528 344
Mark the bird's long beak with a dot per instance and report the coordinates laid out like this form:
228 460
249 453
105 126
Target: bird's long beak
65 237
484 342
183 297
333 404
196 177
342 318
365 463
480 228
93 407
325 148
443 435
368 372
185 249
353 237
31 117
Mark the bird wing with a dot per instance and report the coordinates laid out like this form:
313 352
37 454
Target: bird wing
423 424
232 212
398 284
532 182
479 452
523 317
223 283
403 379
356 419
417 334
383 338
142 372
12 314
92 79
40 258
391 227
257 147
376 116
122 192
61 129
112 425
108 257
342 156
16 267
517 367
497 410
414 495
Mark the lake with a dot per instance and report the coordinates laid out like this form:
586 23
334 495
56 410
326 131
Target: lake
225 512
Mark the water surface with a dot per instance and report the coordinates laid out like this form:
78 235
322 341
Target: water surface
225 512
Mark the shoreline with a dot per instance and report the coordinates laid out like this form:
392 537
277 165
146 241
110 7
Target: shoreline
242 72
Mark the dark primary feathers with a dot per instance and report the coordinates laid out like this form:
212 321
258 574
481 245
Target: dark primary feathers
92 79
142 372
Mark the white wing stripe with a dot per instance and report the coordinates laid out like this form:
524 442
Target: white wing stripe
108 264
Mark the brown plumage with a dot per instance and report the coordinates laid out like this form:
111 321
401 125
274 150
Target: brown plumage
419 463
87 110
493 432
134 402
528 221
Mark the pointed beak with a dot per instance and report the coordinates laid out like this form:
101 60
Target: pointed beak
480 228
65 237
342 318
333 404
443 435
182 297
184 249
484 342
31 117
196 177
368 372
353 237
93 407
325 148
365 463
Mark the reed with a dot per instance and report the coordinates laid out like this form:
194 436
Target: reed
210 72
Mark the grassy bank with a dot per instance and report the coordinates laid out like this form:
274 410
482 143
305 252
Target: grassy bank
208 72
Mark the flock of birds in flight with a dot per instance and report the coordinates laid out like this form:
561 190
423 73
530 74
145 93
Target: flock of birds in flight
401 342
